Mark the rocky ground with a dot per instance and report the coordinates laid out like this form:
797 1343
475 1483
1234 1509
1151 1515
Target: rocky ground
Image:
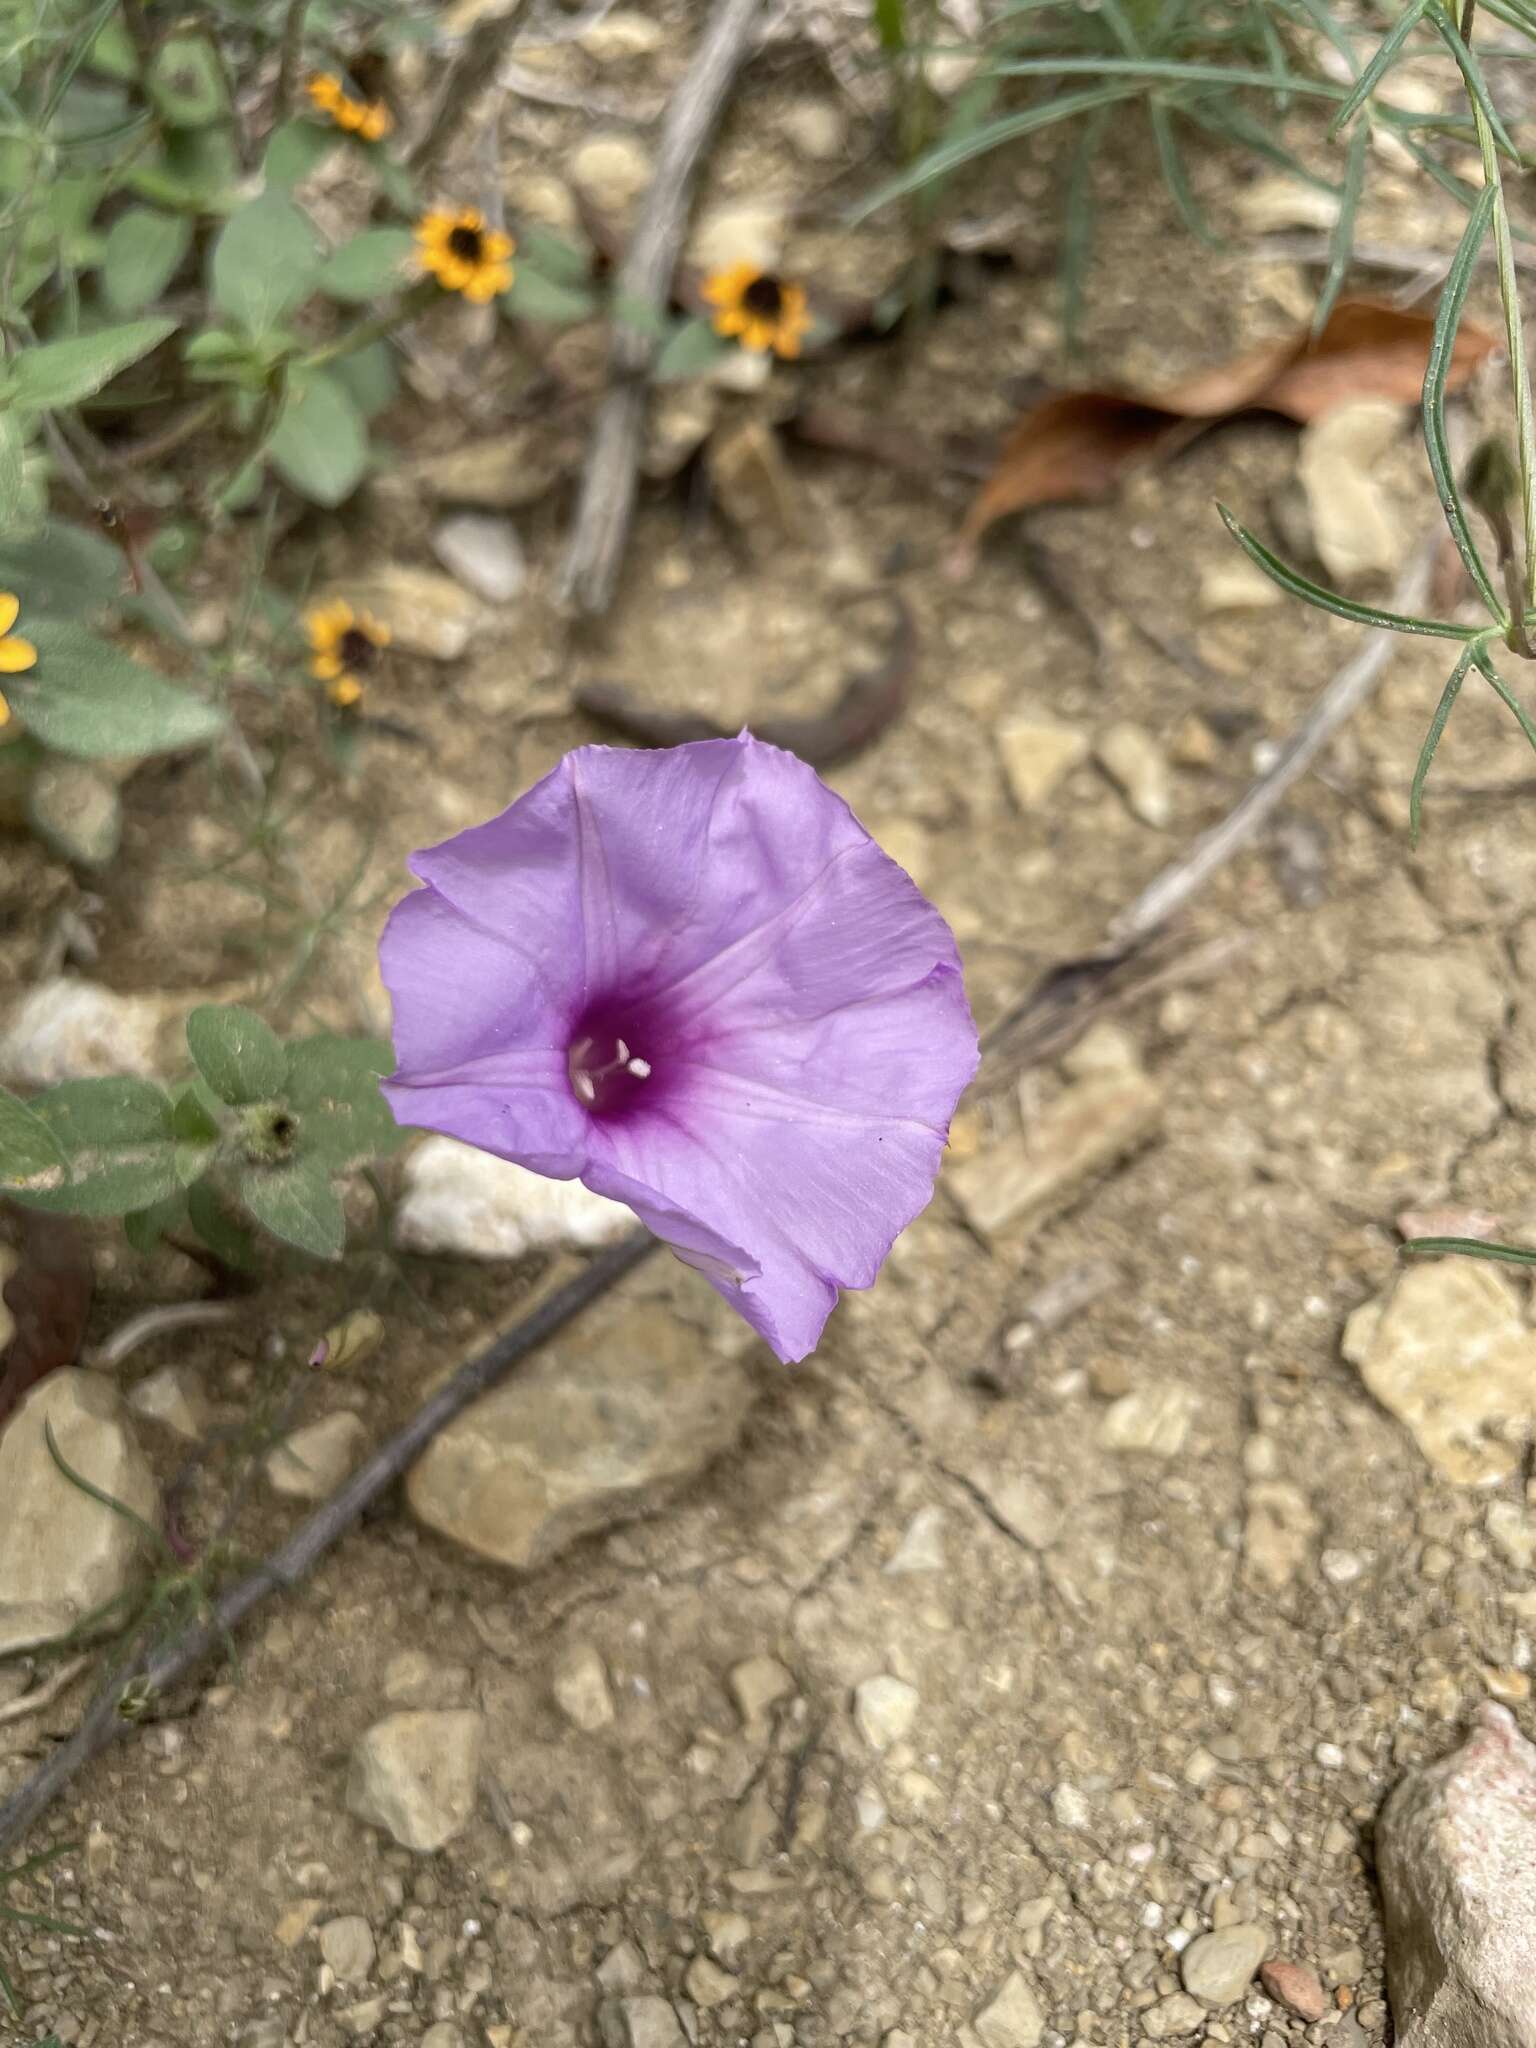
1031 1665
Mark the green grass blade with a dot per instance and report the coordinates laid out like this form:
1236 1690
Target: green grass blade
1342 242
1453 299
948 156
1171 157
1469 1247
1380 65
1472 74
1228 121
1077 224
1168 71
107 1500
1437 726
1523 718
1463 193
1325 600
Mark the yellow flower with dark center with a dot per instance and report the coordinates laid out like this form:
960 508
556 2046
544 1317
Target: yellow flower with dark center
371 120
344 647
465 255
761 311
16 654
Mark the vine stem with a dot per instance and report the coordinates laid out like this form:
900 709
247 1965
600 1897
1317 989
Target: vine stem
1509 294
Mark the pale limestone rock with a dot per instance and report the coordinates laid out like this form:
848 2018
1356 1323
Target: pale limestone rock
1134 762
1037 756
1155 1419
1089 1127
1011 2017
583 1438
310 1463
1447 1350
63 1554
884 1709
1355 529
415 1775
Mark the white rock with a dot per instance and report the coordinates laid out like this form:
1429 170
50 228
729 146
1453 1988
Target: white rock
1030 1510
459 1200
69 1030
415 1775
757 1685
739 232
173 1396
921 1549
1447 1350
611 171
1219 1967
313 1461
884 1709
63 1554
817 128
707 1984
1172 2017
644 2022
347 1944
1512 1532
484 553
1018 1183
623 34
1234 584
1154 1419
1281 201
582 1438
1011 2017
425 613
1037 755
1069 1809
1354 527
580 1687
1456 1857
1132 760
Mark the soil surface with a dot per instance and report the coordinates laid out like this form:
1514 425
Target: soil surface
1168 1692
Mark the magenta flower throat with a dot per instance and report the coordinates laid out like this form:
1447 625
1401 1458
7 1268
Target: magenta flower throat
691 980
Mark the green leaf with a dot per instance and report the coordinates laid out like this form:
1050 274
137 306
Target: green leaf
186 83
333 1090
693 348
545 300
1437 726
63 569
1171 159
196 168
1472 78
86 698
890 18
144 1228
12 450
298 1204
1469 1248
554 258
369 376
1380 64
59 373
1342 242
145 248
1292 580
296 149
1453 299
217 345
369 267
118 1145
28 1147
192 1120
321 442
237 1053
264 262
225 1235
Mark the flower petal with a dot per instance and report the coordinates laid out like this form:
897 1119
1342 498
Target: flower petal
10 610
16 654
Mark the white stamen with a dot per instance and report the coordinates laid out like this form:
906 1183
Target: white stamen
622 1052
586 1087
641 1069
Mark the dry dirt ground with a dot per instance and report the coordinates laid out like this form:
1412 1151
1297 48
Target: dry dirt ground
1176 1701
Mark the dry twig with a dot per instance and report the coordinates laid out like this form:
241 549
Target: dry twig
603 510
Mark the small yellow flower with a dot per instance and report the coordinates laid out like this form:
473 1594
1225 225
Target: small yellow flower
760 310
464 255
16 654
371 120
344 645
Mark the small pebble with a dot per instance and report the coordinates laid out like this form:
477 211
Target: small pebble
1296 1987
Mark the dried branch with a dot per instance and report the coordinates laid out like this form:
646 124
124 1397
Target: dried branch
596 550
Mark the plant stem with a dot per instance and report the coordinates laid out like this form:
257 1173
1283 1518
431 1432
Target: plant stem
417 299
1519 368
288 63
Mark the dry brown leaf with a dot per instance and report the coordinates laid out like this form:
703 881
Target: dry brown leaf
1078 444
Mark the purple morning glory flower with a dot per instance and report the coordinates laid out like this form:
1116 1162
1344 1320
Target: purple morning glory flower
691 980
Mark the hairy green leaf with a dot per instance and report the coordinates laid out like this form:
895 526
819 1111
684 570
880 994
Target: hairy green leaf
118 1145
59 373
29 1151
87 698
321 442
297 1203
369 267
264 262
144 250
333 1090
237 1053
